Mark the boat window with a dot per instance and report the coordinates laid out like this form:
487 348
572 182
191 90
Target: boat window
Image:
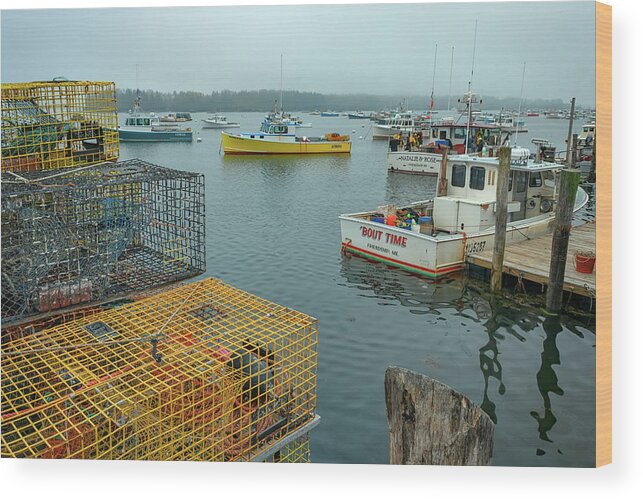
139 121
458 175
535 180
511 182
443 135
521 181
476 178
147 121
459 133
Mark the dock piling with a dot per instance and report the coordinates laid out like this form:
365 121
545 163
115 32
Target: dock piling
569 180
574 163
502 193
430 423
569 131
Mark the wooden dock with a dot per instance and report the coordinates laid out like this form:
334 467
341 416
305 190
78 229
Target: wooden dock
530 260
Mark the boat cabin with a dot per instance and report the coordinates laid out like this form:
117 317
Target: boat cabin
142 121
453 135
469 205
271 128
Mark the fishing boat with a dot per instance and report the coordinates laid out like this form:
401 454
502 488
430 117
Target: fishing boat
359 115
420 151
328 114
275 138
279 117
434 237
219 121
400 122
176 118
140 127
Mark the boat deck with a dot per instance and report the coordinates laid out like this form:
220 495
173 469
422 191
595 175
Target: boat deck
531 259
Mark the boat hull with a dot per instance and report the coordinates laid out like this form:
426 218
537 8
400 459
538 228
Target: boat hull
149 136
234 144
419 163
207 124
423 254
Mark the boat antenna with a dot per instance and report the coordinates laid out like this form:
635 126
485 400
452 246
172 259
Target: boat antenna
522 86
435 60
473 59
450 79
137 101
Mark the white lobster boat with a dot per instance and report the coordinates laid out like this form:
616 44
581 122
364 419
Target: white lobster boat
461 222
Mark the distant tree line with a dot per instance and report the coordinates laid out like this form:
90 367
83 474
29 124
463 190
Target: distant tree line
264 100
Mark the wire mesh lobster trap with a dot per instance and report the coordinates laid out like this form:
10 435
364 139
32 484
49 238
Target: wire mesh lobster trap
201 372
96 233
58 124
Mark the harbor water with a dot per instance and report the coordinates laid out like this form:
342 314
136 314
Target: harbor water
273 230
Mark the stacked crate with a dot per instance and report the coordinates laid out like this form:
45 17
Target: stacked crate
78 228
58 124
201 372
79 237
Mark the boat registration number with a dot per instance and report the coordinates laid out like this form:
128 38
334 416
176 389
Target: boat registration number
475 247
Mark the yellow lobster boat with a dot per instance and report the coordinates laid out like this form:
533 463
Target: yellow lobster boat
274 138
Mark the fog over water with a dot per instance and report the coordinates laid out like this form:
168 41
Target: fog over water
375 49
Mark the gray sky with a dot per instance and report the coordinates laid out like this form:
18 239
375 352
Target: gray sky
375 49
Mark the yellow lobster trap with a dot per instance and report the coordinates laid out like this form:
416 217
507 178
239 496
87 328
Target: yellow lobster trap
201 372
58 124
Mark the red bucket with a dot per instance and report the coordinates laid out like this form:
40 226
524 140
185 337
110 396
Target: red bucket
585 262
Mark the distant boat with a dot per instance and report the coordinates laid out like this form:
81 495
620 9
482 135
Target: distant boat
176 118
328 114
274 138
219 121
401 122
145 128
287 119
357 116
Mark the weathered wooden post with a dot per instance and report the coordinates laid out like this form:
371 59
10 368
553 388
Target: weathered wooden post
574 158
569 180
430 423
569 131
502 192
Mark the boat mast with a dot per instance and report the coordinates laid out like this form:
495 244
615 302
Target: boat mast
473 59
450 78
522 85
435 60
281 85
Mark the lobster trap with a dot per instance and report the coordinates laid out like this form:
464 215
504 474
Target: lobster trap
88 235
58 124
201 372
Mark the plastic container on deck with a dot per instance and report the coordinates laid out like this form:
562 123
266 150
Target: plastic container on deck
379 220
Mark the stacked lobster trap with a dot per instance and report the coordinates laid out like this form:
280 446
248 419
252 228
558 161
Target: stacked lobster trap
81 236
58 124
201 372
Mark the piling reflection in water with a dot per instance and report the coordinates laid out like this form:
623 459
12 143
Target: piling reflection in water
516 359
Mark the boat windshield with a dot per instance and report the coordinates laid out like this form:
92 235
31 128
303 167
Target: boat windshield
276 129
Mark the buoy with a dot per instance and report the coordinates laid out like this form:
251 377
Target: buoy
361 137
198 139
353 131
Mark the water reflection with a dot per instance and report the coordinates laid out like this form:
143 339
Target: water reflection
389 284
519 344
546 377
